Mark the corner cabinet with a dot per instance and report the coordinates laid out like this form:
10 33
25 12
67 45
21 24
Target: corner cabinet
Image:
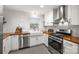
6 45
45 39
10 43
70 47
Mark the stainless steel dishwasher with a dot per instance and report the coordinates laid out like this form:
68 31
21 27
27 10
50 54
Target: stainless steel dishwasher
23 41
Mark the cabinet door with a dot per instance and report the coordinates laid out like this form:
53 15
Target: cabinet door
33 41
6 45
9 44
45 39
70 48
14 42
40 38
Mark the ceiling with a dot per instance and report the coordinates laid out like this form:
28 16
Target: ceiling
30 8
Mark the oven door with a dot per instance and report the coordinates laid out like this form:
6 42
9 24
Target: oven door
58 46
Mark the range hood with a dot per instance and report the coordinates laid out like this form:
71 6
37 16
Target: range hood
62 19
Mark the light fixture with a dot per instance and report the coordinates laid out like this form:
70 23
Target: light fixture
42 6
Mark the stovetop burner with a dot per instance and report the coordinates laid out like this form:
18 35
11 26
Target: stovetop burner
58 35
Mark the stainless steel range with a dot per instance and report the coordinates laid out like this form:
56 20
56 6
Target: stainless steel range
56 43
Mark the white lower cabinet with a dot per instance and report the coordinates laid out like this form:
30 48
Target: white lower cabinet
40 38
10 43
6 45
35 40
14 42
45 39
70 47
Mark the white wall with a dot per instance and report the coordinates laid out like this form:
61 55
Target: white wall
15 18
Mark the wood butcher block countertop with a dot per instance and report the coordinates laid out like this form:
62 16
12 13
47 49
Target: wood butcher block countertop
10 34
72 39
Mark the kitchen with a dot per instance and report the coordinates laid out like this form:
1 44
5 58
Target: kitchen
29 29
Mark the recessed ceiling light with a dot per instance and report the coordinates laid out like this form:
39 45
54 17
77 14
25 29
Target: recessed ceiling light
42 6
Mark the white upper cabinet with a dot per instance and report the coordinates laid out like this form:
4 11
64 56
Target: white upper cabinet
48 18
73 14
